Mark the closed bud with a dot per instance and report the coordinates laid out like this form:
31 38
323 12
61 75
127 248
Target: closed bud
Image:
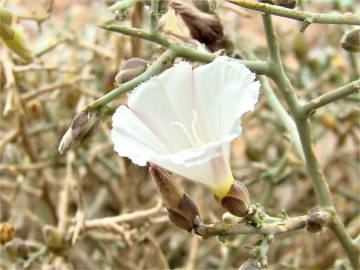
170 193
350 41
17 248
7 232
5 31
328 120
131 69
316 220
203 27
53 238
5 16
83 126
185 215
14 39
237 200
182 211
34 108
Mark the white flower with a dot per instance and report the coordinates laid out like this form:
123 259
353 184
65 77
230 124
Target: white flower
184 120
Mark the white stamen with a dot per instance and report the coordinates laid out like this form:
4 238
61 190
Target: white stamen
193 137
193 128
183 128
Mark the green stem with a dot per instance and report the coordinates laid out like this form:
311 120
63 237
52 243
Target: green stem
299 15
260 67
284 117
139 33
352 250
321 187
276 68
123 5
152 70
332 96
276 228
278 74
154 14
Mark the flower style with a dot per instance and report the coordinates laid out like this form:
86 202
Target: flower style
184 120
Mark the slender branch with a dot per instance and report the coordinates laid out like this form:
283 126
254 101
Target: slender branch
347 18
352 250
123 5
139 33
257 66
276 228
332 96
284 117
319 183
154 14
276 68
124 217
278 73
173 51
152 70
260 67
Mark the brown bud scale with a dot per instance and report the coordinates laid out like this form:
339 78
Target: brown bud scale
237 200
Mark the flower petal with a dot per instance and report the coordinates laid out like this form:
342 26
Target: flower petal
201 164
224 90
165 100
133 139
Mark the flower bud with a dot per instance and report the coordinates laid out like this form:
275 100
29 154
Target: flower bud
186 215
17 248
5 16
237 200
182 211
7 232
350 41
83 126
34 108
53 238
14 39
316 220
131 69
203 27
